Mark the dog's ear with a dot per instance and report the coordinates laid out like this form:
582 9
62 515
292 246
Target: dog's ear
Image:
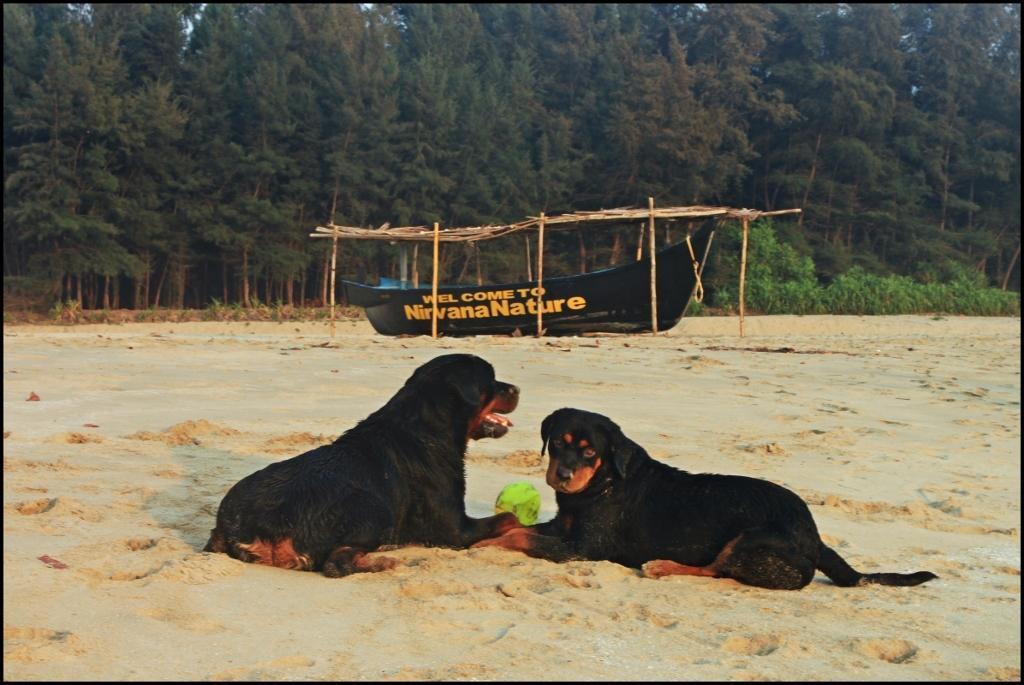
468 387
545 432
621 448
469 377
548 424
471 382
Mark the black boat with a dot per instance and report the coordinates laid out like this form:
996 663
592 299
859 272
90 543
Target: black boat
616 299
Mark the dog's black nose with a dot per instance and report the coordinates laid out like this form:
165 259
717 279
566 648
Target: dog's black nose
564 473
513 390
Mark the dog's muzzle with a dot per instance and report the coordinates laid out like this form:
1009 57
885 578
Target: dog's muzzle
492 423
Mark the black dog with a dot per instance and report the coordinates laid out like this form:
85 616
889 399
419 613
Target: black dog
397 477
617 503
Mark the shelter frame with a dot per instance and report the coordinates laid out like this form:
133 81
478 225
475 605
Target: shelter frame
541 222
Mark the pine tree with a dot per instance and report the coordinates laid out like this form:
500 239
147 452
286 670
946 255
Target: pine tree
65 188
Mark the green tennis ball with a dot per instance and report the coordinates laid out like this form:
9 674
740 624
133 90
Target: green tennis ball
522 499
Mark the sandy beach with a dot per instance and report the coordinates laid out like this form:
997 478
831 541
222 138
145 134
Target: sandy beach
902 433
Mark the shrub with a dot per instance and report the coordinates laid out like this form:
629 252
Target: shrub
781 281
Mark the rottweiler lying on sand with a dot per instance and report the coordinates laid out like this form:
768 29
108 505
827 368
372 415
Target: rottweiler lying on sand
397 477
616 503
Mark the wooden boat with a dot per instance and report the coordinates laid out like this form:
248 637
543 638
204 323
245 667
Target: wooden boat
616 299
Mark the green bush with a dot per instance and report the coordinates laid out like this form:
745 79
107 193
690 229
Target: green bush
781 281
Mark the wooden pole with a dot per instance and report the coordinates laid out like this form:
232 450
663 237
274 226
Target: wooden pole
479 274
540 275
323 281
743 268
403 263
529 266
654 270
334 253
416 265
433 308
640 244
334 261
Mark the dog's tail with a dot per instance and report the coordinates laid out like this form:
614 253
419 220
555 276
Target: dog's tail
844 575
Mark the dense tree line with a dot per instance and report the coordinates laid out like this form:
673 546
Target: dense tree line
177 154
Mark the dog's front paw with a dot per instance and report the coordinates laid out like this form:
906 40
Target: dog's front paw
518 540
505 522
487 542
658 568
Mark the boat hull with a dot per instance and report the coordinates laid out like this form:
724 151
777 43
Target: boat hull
610 300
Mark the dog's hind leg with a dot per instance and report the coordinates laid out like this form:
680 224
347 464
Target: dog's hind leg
657 568
217 542
770 559
361 526
758 557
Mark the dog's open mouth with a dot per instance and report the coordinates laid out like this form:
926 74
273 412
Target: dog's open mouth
491 425
491 421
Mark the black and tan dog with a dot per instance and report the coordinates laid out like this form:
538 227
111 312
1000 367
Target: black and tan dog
616 503
397 477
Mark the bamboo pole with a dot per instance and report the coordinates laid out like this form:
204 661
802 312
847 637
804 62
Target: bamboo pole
403 264
529 266
654 270
323 281
334 261
475 233
479 274
416 265
743 268
433 308
640 244
540 276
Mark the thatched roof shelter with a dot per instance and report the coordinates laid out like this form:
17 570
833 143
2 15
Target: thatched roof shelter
539 223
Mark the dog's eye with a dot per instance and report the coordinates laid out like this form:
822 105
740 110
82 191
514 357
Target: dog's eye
589 453
558 442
